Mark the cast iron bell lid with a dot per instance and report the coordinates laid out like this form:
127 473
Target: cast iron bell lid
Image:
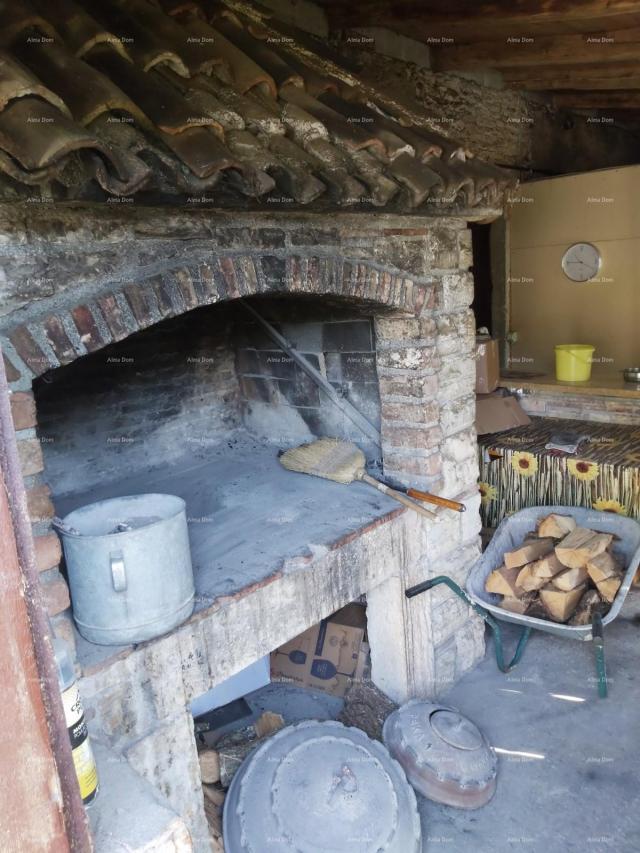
445 756
320 787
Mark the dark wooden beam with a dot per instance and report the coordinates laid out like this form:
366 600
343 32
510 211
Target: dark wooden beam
527 52
465 21
608 102
618 75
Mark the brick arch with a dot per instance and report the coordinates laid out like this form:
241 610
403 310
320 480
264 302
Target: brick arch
86 325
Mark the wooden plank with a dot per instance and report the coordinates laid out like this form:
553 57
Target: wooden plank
609 101
462 22
617 75
528 52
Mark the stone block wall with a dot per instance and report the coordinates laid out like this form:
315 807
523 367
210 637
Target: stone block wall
608 409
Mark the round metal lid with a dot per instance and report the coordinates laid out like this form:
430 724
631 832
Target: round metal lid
445 756
321 788
456 730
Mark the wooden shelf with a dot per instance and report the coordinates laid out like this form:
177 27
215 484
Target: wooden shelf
607 385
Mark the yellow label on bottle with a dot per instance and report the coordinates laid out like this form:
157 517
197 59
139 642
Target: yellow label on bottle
81 751
86 771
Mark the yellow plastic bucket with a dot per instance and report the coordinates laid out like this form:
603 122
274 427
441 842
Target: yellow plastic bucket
573 362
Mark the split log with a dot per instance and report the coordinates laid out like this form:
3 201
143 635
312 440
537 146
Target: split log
570 579
602 567
268 723
557 526
518 605
213 802
560 605
209 766
608 588
587 606
366 707
503 581
529 551
582 545
537 574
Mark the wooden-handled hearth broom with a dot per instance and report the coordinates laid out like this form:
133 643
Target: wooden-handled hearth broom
342 462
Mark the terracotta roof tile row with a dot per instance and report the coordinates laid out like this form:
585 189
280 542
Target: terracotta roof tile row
176 98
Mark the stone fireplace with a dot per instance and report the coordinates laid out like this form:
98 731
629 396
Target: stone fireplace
144 366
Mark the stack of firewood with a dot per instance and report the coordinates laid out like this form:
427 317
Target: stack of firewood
561 572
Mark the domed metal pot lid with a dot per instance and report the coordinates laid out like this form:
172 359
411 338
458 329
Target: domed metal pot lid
320 787
444 754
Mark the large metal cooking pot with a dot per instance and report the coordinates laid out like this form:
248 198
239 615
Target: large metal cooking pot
129 567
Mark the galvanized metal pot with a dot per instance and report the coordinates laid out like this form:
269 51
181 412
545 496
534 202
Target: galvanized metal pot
129 567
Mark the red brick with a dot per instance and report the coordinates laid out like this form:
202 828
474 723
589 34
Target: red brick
249 275
384 288
186 288
63 629
295 272
87 328
56 595
420 438
30 453
347 277
208 285
163 297
371 288
59 340
39 503
29 351
113 316
229 275
48 551
23 409
313 274
361 280
138 299
13 374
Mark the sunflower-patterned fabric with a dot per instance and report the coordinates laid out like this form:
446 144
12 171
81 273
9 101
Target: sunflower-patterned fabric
516 470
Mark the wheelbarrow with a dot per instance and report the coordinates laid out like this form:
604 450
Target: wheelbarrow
508 536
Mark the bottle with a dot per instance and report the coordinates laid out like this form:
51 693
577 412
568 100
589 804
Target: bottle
83 759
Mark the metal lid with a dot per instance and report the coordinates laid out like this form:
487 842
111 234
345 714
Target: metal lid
445 756
319 787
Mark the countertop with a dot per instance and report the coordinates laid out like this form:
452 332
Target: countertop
606 385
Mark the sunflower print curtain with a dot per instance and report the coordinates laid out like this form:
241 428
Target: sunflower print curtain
516 470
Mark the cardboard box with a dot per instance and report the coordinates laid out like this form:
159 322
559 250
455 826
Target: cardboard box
495 413
487 364
327 656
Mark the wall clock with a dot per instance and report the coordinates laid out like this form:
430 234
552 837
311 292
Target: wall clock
581 262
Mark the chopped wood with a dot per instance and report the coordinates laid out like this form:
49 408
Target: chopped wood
570 579
366 707
209 766
214 794
587 606
268 723
556 525
602 567
535 575
582 545
561 604
608 588
213 813
518 605
232 756
537 609
529 551
503 581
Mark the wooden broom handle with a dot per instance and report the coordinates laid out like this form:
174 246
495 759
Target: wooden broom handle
398 496
436 499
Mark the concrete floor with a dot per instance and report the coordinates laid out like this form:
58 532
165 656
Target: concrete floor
569 762
569 773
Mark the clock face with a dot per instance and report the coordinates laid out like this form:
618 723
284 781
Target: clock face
581 262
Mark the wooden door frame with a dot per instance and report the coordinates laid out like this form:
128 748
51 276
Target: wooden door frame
41 799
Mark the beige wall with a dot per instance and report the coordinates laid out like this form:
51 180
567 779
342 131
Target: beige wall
546 308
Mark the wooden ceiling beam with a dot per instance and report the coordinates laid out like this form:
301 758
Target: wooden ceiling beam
587 48
465 21
618 75
609 102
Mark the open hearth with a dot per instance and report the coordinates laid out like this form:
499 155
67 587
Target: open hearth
157 378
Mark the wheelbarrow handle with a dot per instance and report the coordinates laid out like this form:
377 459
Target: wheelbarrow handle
484 614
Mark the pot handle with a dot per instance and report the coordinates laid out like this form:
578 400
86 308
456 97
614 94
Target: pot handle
118 574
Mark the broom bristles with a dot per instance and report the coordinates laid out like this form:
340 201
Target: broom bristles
330 458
